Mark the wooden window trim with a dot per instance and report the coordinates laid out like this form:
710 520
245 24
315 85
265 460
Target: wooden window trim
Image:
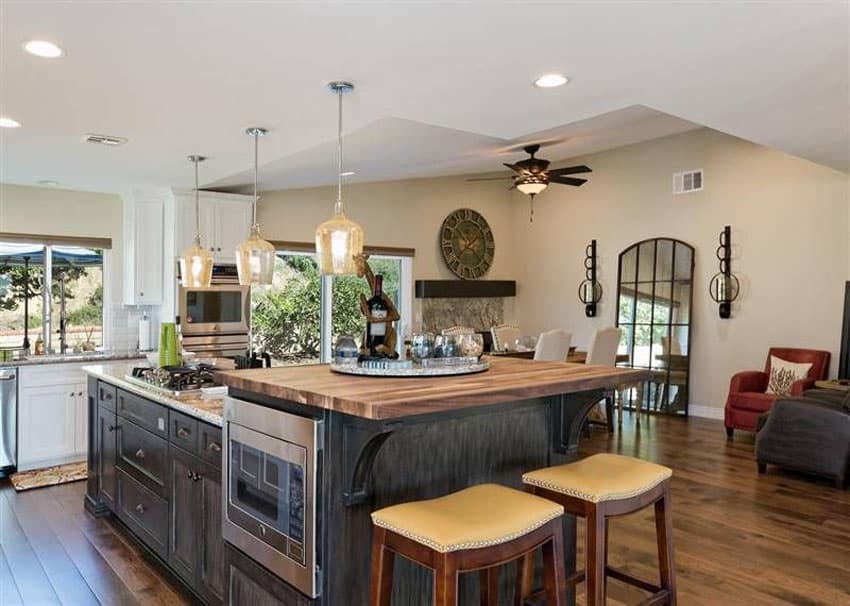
310 247
46 240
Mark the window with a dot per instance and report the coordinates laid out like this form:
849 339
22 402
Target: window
75 276
299 317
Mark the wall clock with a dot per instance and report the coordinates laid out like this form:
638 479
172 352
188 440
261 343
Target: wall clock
467 243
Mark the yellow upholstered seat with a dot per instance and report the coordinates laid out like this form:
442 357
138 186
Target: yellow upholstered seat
476 517
602 477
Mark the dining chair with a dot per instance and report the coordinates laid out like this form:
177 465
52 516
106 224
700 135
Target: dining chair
553 345
603 352
504 336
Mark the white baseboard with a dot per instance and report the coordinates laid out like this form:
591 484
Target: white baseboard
705 412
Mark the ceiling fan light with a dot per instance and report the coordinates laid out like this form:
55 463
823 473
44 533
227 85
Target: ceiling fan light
531 186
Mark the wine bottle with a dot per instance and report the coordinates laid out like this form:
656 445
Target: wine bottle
376 332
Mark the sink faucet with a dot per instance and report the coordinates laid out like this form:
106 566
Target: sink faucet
63 315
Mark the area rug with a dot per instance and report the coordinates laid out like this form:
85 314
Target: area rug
49 476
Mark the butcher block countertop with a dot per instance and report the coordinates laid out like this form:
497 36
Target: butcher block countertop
379 398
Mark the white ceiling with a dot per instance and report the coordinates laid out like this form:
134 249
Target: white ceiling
441 88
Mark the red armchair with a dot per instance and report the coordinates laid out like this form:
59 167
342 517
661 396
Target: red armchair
747 398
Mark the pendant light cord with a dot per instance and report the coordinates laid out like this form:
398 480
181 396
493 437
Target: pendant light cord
197 205
254 207
338 209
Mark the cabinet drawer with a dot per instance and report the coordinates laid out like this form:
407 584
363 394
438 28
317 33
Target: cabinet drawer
106 395
144 456
209 446
144 512
142 412
184 431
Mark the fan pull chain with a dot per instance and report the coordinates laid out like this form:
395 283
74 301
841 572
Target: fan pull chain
531 215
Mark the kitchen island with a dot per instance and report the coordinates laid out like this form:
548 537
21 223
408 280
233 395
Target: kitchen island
389 440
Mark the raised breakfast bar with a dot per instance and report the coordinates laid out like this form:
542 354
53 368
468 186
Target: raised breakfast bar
382 441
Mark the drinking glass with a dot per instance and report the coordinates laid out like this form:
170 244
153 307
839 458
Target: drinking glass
472 345
422 346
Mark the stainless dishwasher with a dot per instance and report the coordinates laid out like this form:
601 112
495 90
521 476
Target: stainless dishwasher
8 419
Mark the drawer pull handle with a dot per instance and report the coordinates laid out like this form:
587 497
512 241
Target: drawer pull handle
193 476
214 446
80 393
140 508
182 432
140 454
105 395
112 428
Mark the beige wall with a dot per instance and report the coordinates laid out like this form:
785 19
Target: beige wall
789 221
49 211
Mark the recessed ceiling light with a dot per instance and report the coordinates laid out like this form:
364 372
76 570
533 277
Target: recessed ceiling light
48 183
9 123
550 81
43 48
347 173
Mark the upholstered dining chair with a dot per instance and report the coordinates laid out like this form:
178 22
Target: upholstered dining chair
553 345
603 352
504 337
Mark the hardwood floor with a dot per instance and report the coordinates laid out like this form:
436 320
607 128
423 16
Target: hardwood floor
53 552
741 539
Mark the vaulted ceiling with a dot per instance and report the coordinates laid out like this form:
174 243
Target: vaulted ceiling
440 88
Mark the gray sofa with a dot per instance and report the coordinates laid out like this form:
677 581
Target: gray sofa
809 434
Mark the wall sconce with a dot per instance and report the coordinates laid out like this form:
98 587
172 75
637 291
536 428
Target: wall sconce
724 286
590 291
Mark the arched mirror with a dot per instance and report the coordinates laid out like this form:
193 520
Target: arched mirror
655 288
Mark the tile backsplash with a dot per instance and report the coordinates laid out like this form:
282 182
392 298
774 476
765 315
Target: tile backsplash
122 322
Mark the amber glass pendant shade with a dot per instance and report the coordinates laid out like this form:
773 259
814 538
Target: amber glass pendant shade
196 265
196 262
255 259
338 241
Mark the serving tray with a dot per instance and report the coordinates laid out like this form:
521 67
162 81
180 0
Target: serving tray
414 370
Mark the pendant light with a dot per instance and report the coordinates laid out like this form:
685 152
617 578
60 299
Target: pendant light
255 257
196 261
339 240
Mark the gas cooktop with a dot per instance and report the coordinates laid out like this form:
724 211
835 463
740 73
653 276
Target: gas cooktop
174 380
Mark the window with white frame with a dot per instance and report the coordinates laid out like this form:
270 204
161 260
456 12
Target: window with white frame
299 317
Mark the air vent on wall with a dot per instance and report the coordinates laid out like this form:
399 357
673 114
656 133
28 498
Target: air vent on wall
104 139
688 181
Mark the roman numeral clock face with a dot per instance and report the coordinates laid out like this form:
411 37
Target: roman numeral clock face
467 244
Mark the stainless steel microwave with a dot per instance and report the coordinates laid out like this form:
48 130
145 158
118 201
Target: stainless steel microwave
221 309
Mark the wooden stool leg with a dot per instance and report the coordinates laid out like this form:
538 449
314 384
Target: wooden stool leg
609 413
489 585
554 581
524 578
595 555
381 581
605 580
664 535
622 394
445 581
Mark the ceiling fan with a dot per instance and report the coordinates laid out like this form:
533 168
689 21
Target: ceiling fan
532 175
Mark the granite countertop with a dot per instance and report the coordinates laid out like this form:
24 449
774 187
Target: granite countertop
507 380
207 409
73 358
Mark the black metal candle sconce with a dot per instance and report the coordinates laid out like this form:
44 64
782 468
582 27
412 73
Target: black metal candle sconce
590 290
724 286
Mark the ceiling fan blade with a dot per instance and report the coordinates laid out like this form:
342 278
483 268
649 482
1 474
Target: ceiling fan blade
567 181
569 170
490 178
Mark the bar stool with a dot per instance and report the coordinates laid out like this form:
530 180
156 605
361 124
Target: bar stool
478 528
598 488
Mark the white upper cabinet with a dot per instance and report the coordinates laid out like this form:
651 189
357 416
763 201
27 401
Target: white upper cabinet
143 250
225 221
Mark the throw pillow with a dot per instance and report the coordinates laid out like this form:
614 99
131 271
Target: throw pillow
784 373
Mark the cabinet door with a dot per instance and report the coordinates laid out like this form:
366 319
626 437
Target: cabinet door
107 430
232 223
148 226
184 536
46 425
211 556
81 429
